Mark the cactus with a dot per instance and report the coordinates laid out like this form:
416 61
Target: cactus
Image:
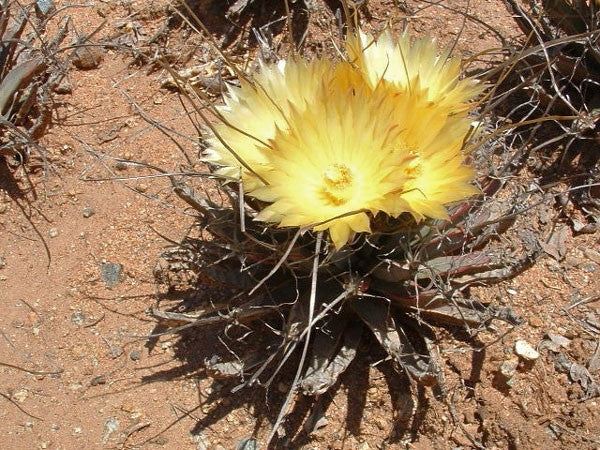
320 295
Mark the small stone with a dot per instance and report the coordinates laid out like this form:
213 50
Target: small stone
141 187
77 430
53 232
44 444
120 166
2 261
64 86
161 440
535 322
28 425
100 379
20 395
78 317
3 208
135 355
525 351
363 446
158 101
201 441
87 58
111 273
562 364
88 212
508 369
115 351
589 267
593 255
512 291
110 426
55 427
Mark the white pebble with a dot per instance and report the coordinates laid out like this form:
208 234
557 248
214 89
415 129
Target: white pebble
526 351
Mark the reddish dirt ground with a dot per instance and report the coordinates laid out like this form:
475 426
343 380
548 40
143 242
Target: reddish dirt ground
97 384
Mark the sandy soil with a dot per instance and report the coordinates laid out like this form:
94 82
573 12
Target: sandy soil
95 382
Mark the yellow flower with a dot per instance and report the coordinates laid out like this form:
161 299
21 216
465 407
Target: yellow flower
412 67
327 144
254 110
336 161
436 175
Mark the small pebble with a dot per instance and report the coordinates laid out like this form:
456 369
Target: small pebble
88 212
111 273
508 368
100 379
120 165
141 187
20 395
589 267
110 426
64 86
53 232
593 255
78 317
201 441
115 351
535 322
2 261
524 350
86 58
135 355
562 364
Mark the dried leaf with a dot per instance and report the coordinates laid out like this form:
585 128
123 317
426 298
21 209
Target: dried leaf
555 246
18 77
554 342
395 341
581 375
223 369
456 311
330 359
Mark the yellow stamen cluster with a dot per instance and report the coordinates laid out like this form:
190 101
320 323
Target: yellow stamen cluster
329 144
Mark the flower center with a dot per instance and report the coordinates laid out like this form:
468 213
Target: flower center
337 184
414 168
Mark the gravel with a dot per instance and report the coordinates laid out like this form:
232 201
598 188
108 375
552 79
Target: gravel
111 273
